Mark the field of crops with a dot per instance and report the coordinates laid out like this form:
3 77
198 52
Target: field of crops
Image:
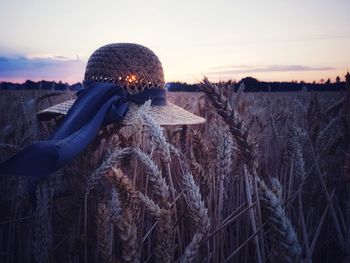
265 179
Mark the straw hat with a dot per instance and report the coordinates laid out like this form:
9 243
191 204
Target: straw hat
135 68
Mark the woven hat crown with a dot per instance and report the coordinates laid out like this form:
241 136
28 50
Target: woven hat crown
132 66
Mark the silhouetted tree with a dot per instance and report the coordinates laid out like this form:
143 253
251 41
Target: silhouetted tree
337 79
30 85
251 84
328 81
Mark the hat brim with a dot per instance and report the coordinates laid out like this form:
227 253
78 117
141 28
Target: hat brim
165 115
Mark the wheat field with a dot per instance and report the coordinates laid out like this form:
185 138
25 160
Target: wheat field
265 179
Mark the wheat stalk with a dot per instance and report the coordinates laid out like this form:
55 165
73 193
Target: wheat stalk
161 145
246 145
42 225
198 212
347 167
314 117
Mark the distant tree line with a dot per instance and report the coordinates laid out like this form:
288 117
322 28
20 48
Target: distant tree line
254 85
181 86
40 85
250 85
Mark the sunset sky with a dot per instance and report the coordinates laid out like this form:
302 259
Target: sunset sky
222 39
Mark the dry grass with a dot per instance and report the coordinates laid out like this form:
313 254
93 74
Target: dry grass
265 179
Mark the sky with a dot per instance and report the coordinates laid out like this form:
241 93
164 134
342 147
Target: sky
270 40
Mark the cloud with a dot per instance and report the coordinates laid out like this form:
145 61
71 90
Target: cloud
61 57
241 69
243 66
36 68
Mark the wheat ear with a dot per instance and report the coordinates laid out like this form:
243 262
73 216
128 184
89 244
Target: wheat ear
137 126
223 166
164 247
104 233
128 235
128 195
198 211
201 150
246 145
158 139
192 249
285 245
294 153
127 222
160 186
277 189
109 213
112 161
114 205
